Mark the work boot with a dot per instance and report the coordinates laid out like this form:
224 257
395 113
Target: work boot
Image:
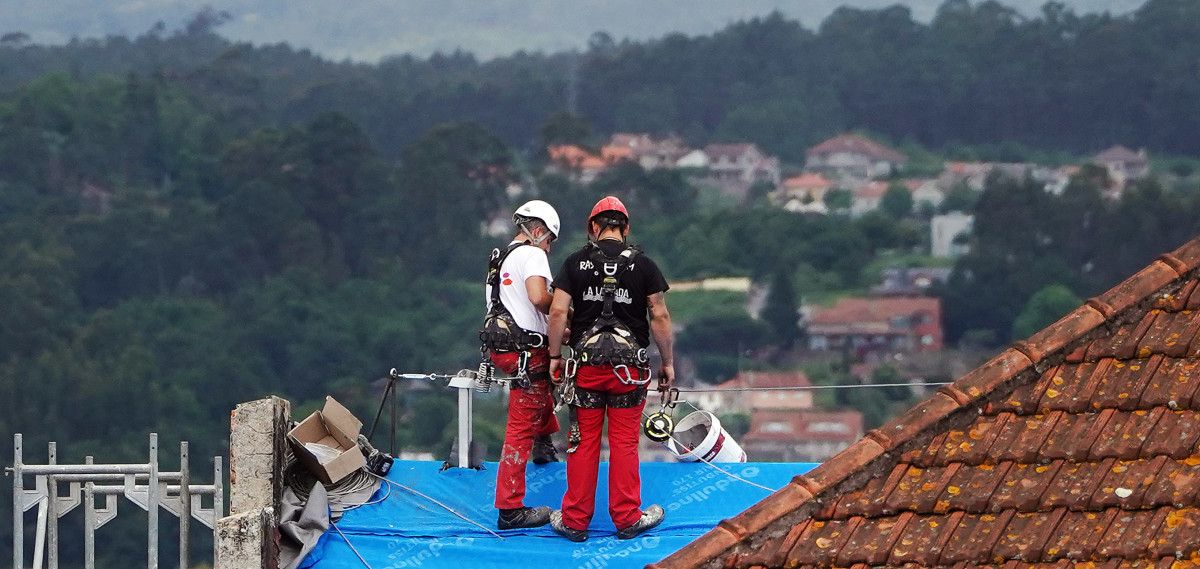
556 524
650 518
525 517
543 450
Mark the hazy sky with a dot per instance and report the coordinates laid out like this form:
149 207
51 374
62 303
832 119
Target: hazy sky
369 29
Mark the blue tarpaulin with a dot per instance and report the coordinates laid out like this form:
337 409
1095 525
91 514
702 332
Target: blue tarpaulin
399 529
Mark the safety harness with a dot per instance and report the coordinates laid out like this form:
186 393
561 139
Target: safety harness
500 332
610 341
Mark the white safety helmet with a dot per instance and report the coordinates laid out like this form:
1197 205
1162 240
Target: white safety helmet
538 209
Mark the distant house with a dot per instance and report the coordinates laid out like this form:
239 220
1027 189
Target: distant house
577 163
854 156
804 193
925 191
696 159
913 281
736 167
809 186
1123 164
948 234
883 324
648 152
804 436
727 401
867 197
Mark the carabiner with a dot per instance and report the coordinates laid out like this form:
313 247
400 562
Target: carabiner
670 398
628 378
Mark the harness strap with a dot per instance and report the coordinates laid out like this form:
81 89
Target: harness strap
495 262
592 399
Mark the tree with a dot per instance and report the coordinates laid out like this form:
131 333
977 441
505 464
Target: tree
1043 308
565 128
781 310
897 201
839 200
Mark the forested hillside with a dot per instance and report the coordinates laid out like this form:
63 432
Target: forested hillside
188 223
979 73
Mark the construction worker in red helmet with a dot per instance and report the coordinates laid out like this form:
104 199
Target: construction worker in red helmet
514 339
617 295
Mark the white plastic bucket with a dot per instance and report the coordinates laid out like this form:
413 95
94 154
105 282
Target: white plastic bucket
716 446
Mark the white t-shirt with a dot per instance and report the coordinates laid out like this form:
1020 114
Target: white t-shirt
521 264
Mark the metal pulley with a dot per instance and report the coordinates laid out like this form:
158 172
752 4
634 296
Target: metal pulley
658 426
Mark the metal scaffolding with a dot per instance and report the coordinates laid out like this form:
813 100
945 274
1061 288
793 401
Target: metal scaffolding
143 484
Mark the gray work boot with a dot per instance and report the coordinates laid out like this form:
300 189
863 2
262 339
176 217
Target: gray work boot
556 524
526 517
650 518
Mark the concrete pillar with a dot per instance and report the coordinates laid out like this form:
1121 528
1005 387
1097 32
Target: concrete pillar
248 541
257 443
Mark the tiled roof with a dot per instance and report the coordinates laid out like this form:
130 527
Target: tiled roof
805 425
730 151
853 143
1075 447
1120 154
807 180
768 379
871 190
874 313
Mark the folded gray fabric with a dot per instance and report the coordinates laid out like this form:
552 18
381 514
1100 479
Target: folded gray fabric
301 524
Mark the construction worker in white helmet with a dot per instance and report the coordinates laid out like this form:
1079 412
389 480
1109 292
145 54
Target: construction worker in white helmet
514 338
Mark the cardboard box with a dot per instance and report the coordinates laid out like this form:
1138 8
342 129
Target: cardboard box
333 426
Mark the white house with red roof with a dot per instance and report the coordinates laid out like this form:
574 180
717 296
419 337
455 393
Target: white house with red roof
854 156
735 167
1123 165
877 324
800 436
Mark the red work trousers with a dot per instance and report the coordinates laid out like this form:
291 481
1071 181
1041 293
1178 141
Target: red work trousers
583 465
530 414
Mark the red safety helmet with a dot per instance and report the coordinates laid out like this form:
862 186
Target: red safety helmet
606 204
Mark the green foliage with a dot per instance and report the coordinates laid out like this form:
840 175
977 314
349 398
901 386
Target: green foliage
839 200
897 202
565 128
736 424
781 312
1043 308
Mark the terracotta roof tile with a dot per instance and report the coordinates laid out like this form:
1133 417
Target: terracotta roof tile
1023 486
1065 442
1177 483
1124 434
1026 535
1075 483
1173 385
1121 384
1079 447
1126 483
1175 435
873 541
975 537
1078 534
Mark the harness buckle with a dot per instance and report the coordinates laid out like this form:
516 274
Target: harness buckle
540 340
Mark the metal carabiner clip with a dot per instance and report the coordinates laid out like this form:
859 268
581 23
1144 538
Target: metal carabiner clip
669 399
627 379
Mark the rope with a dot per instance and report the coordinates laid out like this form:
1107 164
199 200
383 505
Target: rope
351 546
806 387
435 501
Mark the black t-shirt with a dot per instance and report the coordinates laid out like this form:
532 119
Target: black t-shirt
582 280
